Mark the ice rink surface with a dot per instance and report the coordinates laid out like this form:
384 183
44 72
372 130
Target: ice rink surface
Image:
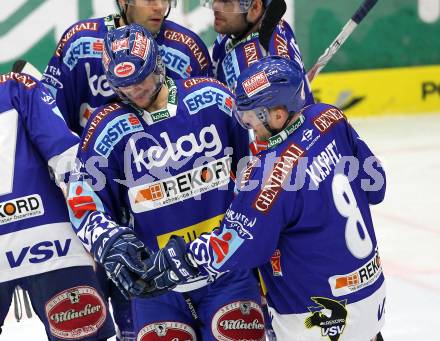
407 228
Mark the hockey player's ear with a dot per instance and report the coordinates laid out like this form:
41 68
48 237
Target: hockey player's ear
256 11
278 116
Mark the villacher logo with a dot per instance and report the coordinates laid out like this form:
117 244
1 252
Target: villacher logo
241 320
76 313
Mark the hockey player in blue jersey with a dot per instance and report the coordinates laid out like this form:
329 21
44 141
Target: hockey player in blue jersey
77 81
237 46
75 76
301 215
154 165
39 250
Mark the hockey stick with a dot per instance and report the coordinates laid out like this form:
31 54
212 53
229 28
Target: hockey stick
346 31
22 66
272 16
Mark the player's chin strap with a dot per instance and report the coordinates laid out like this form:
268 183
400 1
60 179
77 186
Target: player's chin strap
288 128
250 26
263 118
123 11
288 121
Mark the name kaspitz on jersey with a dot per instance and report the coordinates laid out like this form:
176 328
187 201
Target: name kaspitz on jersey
21 208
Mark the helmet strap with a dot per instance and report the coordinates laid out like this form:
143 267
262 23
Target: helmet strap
123 12
249 26
246 31
168 12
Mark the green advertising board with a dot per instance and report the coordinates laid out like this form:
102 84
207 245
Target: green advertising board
395 33
30 29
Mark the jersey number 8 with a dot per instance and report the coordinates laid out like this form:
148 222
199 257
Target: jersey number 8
356 234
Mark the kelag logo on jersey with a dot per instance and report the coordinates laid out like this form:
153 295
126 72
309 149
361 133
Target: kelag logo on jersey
183 186
208 142
97 83
21 208
176 61
204 98
84 47
115 131
332 324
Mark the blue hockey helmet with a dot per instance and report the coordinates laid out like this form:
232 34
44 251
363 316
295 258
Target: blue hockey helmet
272 81
130 56
231 6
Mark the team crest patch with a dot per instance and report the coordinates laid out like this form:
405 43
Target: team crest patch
256 83
329 315
167 331
76 313
124 69
241 320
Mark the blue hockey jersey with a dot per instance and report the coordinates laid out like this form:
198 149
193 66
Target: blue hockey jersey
75 75
231 57
35 232
161 173
302 216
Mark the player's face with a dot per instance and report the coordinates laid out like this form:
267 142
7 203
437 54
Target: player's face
148 13
143 93
252 119
230 23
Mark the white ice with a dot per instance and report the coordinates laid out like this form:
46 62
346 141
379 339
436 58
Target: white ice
407 228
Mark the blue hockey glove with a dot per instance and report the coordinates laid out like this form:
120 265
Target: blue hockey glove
171 265
123 262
